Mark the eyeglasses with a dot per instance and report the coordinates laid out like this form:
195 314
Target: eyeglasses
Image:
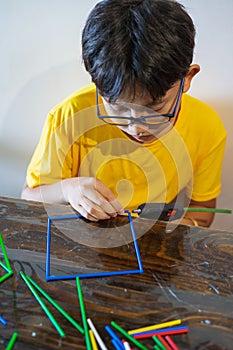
152 119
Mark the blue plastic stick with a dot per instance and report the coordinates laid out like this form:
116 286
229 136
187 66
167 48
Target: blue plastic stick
3 321
157 331
88 275
93 275
135 241
47 264
114 337
115 344
66 217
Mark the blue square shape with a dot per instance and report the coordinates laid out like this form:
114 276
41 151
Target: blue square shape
89 275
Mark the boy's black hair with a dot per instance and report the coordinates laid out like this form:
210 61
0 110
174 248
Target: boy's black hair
137 43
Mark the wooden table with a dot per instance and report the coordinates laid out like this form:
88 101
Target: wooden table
187 275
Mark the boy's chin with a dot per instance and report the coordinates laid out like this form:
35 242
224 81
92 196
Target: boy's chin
142 139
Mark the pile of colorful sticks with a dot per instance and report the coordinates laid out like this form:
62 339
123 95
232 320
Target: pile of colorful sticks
159 333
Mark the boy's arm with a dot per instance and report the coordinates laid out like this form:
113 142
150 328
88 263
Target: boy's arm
87 195
200 219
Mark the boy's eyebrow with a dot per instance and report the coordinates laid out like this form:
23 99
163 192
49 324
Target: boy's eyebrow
152 103
157 102
147 105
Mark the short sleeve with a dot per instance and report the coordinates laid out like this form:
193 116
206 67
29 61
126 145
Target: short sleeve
207 173
50 162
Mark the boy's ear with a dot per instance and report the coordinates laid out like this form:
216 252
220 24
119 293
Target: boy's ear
193 70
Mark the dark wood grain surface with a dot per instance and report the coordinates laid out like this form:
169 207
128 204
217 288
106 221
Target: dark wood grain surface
188 275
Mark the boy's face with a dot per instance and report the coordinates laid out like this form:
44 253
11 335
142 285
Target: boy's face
145 131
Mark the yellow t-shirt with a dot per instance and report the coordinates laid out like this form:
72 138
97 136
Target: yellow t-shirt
187 160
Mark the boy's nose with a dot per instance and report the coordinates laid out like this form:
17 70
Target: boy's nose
136 112
137 128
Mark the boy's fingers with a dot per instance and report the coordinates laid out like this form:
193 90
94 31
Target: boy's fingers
94 210
99 205
111 204
117 206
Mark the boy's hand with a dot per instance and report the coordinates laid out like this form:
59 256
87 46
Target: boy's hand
91 198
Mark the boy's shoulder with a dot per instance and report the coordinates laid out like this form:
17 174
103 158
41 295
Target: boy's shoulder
199 117
196 104
78 100
198 111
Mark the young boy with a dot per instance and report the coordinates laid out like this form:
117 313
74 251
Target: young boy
133 136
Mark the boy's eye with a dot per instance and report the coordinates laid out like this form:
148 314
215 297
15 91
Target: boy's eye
156 108
119 108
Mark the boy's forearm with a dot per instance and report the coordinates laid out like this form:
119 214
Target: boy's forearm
198 220
87 195
203 219
45 193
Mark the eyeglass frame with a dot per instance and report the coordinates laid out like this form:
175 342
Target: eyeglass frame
141 118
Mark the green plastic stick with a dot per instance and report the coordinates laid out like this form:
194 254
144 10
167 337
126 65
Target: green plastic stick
8 265
58 307
208 210
129 337
42 304
83 313
158 342
4 277
5 268
12 341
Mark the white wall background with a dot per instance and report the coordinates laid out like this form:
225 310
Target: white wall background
40 64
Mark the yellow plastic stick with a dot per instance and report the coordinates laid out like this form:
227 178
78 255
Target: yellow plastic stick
155 326
93 342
